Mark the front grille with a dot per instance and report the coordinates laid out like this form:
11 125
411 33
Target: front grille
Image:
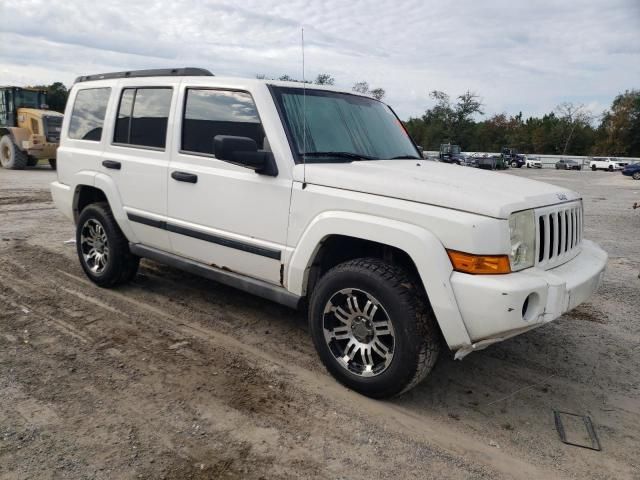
559 234
52 128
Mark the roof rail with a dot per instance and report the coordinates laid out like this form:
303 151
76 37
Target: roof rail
159 72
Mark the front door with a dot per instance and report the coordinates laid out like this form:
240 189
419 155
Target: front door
219 213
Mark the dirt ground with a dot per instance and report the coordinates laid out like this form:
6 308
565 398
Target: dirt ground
176 377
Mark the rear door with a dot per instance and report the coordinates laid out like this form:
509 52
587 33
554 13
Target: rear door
137 157
230 217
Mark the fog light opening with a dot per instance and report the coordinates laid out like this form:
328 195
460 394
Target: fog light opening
530 307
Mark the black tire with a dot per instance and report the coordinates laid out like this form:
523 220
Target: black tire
528 166
11 157
593 168
514 164
121 265
53 163
416 340
611 168
32 161
636 176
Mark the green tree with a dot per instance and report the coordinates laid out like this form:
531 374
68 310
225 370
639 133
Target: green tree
619 130
325 79
446 122
363 88
57 95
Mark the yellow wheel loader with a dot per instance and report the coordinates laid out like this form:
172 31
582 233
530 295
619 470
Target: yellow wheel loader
29 132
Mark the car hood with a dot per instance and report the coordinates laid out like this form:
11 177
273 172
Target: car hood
451 186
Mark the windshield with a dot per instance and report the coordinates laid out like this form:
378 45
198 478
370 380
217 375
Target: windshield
29 98
341 127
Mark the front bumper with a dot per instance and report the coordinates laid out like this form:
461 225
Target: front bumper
497 307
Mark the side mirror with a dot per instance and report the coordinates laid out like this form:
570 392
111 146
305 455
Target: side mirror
244 151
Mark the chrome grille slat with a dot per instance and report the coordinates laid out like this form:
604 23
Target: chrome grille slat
559 231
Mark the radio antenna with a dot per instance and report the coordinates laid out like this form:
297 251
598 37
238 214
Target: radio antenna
304 116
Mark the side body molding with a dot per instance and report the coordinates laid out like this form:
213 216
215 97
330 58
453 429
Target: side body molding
422 246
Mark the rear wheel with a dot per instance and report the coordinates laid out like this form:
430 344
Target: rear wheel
102 248
11 156
32 161
373 327
593 168
611 168
53 163
514 164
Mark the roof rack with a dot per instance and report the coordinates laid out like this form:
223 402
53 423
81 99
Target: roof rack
158 72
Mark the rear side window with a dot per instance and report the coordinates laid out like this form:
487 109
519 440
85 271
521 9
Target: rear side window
142 117
87 116
208 113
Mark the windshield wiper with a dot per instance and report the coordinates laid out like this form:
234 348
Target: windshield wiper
349 155
406 157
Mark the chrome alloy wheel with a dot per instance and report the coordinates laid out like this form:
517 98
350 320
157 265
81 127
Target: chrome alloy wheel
94 245
358 332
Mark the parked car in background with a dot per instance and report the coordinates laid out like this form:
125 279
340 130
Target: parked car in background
632 170
533 162
493 162
606 163
511 157
568 164
470 161
451 154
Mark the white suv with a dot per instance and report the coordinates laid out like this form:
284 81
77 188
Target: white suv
533 162
606 163
319 199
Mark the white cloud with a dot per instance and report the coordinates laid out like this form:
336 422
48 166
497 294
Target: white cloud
528 56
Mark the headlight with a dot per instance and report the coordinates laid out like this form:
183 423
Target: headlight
522 229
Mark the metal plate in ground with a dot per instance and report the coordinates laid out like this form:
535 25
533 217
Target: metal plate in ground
576 430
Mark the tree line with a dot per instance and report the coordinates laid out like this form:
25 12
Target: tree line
570 129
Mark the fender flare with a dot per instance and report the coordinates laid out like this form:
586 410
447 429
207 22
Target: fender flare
105 184
422 246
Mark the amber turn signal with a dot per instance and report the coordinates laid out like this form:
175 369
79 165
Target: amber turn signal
479 264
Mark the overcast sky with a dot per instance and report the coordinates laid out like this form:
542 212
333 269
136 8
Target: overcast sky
517 55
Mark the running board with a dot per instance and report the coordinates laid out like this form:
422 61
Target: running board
256 287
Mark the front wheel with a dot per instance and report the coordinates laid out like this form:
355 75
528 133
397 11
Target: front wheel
636 176
611 168
514 164
593 168
373 327
53 163
102 248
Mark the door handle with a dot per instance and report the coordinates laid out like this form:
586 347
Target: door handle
112 164
184 177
